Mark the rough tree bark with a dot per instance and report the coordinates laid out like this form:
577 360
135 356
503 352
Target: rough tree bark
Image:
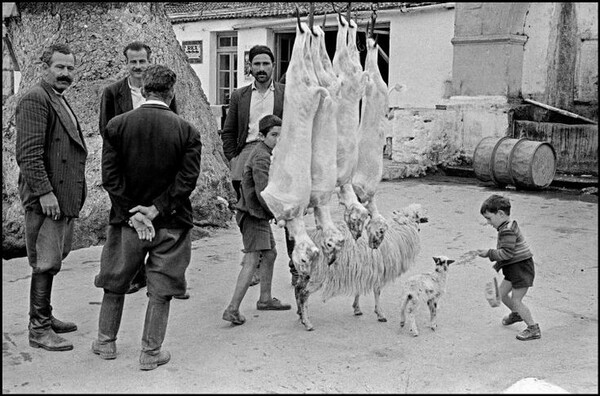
97 33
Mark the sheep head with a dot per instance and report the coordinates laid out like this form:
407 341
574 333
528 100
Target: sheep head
412 214
376 228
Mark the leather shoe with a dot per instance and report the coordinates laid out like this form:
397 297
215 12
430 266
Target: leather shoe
106 351
273 305
234 317
150 362
49 341
62 327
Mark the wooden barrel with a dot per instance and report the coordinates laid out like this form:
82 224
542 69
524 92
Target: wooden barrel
521 162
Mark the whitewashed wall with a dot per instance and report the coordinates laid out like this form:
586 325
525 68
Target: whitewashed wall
207 32
421 56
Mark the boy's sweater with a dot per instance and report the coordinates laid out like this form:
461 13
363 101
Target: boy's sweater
511 246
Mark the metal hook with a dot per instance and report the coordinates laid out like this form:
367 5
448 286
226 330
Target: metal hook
298 17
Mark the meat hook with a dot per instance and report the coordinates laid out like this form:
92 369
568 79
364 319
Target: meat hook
298 17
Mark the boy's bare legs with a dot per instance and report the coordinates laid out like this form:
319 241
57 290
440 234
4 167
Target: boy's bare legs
250 261
267 262
504 290
517 297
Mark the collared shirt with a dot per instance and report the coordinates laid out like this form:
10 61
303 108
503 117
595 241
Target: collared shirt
260 106
137 99
153 101
62 100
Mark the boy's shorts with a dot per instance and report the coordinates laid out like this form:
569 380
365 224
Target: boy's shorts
520 274
256 233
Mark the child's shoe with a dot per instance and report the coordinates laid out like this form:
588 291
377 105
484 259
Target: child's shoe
532 332
513 317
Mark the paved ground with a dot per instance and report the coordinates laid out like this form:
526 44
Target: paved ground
471 352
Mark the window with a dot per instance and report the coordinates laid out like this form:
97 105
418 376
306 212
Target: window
193 50
226 66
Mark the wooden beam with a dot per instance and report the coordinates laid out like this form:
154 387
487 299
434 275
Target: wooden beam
561 111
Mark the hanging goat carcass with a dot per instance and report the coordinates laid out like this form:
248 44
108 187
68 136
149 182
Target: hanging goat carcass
288 192
324 148
352 85
371 132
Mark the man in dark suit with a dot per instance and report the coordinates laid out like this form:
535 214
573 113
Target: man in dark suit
123 96
150 165
51 154
247 106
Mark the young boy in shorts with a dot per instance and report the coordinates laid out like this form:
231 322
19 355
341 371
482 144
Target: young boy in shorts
513 256
253 217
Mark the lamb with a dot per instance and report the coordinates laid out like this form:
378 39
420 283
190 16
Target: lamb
358 269
427 287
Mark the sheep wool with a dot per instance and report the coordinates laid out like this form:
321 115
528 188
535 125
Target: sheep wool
358 269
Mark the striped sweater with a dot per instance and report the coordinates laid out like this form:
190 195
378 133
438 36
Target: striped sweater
511 247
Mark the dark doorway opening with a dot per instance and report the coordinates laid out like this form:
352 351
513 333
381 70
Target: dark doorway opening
285 44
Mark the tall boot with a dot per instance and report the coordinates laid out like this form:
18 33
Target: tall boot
155 328
41 334
58 325
109 322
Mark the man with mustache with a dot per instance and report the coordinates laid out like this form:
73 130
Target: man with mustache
51 154
125 95
247 106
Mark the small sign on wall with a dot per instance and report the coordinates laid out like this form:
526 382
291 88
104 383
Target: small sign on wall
247 66
193 50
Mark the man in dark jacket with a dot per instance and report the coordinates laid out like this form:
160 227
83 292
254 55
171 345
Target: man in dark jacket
123 96
51 154
150 165
253 217
247 106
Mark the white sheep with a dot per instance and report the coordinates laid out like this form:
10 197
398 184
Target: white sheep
359 269
429 288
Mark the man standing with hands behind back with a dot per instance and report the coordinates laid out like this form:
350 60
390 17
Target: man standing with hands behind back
123 96
51 154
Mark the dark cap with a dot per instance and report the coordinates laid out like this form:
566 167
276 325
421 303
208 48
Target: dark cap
267 122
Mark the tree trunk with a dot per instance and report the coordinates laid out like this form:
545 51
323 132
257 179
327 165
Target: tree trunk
97 33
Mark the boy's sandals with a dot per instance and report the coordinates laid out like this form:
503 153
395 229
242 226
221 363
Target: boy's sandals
513 317
234 317
273 305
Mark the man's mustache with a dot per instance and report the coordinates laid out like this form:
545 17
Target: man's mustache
65 79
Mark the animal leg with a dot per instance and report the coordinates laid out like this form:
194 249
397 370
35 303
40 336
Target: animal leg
433 312
380 316
403 303
302 301
356 307
410 313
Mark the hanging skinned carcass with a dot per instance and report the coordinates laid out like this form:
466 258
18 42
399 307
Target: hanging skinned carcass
289 188
371 132
324 148
352 84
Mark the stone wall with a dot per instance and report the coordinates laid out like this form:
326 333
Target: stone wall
423 139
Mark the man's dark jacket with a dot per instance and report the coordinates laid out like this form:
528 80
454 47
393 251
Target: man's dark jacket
235 129
50 152
151 156
116 100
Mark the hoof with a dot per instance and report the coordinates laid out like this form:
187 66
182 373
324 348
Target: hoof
357 313
382 319
401 324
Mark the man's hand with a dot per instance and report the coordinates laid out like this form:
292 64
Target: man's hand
50 206
482 252
143 226
149 211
